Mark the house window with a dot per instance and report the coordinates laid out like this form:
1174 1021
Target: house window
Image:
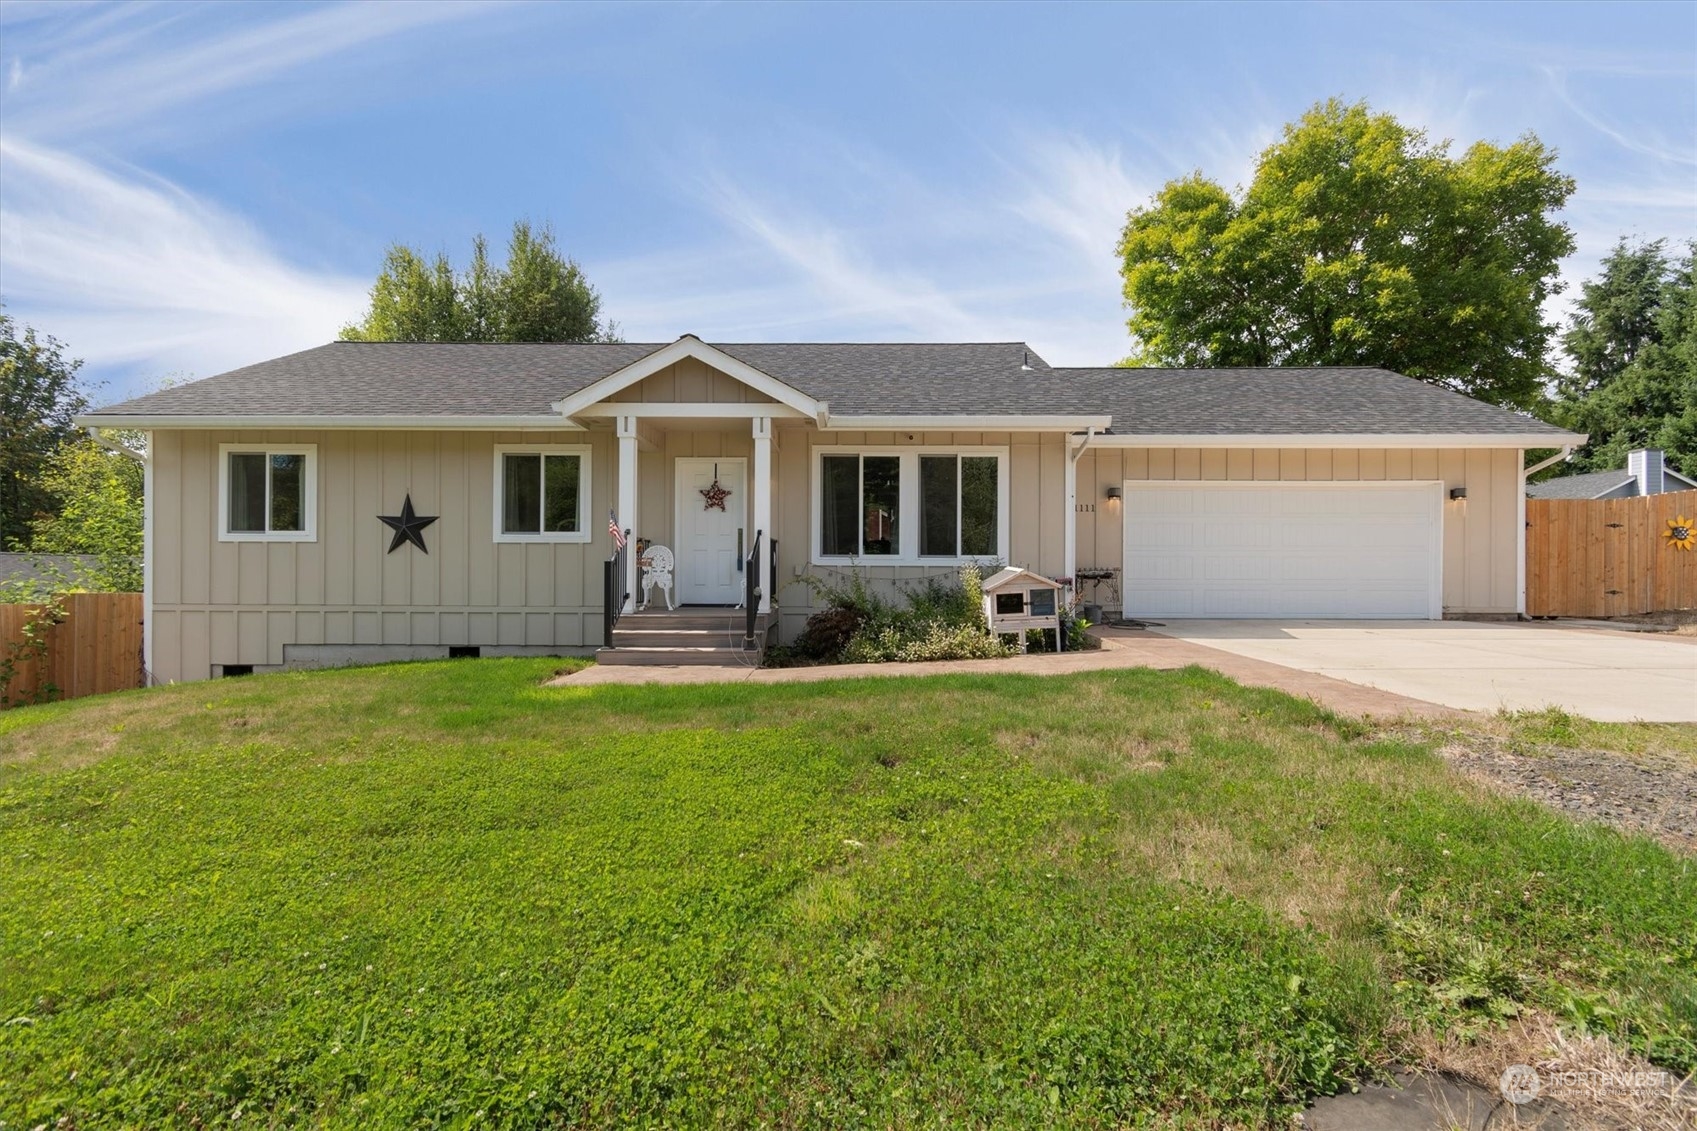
861 505
541 493
909 505
268 493
958 505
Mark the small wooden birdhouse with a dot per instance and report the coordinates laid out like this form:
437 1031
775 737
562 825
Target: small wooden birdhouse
1016 600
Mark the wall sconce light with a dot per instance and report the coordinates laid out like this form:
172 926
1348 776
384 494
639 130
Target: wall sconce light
1113 492
1457 494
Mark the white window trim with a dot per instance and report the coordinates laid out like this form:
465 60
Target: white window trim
582 451
309 493
908 554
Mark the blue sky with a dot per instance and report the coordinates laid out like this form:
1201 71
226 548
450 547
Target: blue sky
185 188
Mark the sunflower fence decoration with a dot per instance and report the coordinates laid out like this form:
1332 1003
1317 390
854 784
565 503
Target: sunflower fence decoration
1681 533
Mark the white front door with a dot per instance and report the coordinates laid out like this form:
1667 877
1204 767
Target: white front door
710 542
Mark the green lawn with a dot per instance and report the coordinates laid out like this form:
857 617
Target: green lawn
444 895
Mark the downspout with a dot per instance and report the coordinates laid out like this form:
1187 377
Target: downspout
94 433
1070 556
1520 533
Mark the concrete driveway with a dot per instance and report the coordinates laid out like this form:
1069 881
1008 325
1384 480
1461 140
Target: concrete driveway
1479 666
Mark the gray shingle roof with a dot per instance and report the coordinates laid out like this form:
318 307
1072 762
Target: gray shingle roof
1287 400
1588 485
856 379
17 568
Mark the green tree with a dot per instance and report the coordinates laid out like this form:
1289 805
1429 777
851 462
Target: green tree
1358 242
1632 342
538 295
1616 316
38 397
99 513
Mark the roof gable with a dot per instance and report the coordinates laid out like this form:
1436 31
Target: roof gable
689 346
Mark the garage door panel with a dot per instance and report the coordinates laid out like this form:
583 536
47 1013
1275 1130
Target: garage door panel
1168 567
1225 536
1167 602
1165 535
1286 550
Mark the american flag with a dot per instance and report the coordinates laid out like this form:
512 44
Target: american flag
613 529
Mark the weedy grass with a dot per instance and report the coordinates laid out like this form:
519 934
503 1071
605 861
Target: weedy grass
1526 732
443 894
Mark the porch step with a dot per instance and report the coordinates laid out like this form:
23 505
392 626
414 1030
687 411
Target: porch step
671 657
726 620
697 636
722 636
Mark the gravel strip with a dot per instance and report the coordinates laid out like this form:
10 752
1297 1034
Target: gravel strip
1648 794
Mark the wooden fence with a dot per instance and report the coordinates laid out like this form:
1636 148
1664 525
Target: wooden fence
1608 557
92 643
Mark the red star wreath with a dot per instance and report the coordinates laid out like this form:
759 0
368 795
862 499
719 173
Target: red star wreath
715 496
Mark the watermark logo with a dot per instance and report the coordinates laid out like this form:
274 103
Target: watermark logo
1520 1084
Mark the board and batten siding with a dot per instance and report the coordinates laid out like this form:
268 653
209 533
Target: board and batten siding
689 381
1036 509
217 603
1480 544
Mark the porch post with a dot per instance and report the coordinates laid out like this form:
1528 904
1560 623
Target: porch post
763 505
627 502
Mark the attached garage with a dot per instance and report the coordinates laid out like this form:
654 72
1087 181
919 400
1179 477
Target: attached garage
1282 549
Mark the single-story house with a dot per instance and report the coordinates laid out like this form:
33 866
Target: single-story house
1646 473
367 501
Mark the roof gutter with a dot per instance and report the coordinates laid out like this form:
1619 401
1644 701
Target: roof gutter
1339 440
443 422
971 422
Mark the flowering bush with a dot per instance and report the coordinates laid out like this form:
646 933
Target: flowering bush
939 618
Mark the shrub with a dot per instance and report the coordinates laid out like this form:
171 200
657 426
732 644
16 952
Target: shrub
924 640
939 618
826 634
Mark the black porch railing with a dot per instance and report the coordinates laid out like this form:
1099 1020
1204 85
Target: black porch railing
613 592
751 591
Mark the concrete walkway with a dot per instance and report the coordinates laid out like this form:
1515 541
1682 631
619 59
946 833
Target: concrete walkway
1477 665
1121 648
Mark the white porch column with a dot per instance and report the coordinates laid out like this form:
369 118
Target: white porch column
626 503
763 505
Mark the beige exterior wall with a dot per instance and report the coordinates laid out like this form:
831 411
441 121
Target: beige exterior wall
217 603
1036 508
1481 545
691 382
246 602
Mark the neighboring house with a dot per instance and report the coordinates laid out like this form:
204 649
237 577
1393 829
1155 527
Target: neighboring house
1646 473
1337 492
50 569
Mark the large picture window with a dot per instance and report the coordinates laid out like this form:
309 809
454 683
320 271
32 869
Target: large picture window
860 505
959 501
541 494
267 493
910 505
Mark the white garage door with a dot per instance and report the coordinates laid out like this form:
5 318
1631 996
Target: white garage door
1283 550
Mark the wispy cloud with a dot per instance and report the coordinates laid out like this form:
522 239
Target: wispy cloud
126 65
1025 252
1654 146
128 268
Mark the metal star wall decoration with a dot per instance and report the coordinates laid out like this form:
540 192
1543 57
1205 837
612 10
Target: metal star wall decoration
715 496
408 527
